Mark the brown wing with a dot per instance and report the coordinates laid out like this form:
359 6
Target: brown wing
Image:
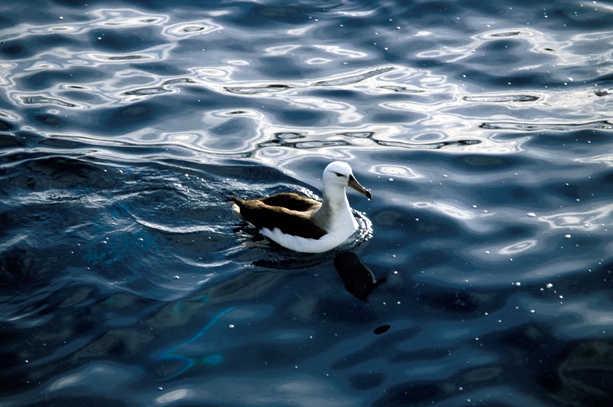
291 201
261 214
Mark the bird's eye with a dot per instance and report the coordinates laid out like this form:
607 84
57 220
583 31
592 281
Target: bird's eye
338 174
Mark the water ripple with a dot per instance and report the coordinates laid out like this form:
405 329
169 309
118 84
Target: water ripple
597 125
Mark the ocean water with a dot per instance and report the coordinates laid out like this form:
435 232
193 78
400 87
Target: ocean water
483 129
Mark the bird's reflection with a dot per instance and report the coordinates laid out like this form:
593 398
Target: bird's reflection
359 280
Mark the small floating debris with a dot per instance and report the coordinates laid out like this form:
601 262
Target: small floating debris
354 78
256 90
381 329
603 92
506 34
402 89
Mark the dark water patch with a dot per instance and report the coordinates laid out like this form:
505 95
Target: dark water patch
262 16
48 120
492 163
26 47
14 263
421 355
301 117
428 258
161 68
75 400
335 94
502 50
462 302
5 125
10 140
584 375
13 50
44 80
127 118
434 8
124 40
62 143
503 79
383 346
410 393
587 18
366 381
65 173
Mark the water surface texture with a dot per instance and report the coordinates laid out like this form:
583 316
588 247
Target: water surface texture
484 129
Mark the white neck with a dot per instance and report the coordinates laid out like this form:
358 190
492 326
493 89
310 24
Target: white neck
335 211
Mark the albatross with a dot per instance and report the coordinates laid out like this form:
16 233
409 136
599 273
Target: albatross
303 224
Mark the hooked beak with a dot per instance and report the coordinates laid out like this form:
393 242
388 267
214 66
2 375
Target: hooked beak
353 183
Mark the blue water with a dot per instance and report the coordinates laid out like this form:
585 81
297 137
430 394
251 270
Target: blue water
484 130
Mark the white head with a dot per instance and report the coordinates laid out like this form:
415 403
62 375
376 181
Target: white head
339 173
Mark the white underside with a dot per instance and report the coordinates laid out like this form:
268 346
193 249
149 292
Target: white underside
236 211
344 230
302 244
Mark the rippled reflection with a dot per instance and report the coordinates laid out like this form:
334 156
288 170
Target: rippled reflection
591 220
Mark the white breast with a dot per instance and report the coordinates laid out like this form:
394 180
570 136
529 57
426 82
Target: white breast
301 244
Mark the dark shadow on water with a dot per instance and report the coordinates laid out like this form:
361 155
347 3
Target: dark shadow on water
359 280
